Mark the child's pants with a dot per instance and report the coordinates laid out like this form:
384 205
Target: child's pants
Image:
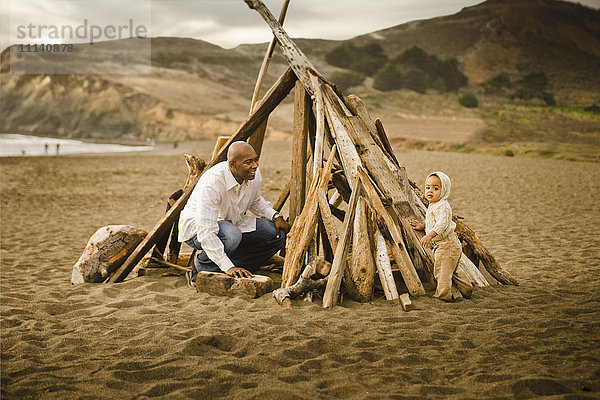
445 268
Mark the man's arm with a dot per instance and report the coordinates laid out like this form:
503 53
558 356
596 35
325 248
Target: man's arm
208 228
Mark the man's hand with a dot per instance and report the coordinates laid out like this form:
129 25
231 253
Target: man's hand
418 226
281 224
237 272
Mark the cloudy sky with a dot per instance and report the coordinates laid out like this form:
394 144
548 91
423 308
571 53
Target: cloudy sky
223 22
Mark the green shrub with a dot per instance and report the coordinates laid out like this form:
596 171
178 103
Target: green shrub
497 84
346 80
367 59
416 70
534 86
468 100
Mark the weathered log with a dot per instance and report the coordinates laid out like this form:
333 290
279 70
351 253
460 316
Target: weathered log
371 154
362 266
267 59
162 242
221 140
296 58
407 269
283 196
320 124
270 100
334 281
220 284
302 111
106 250
302 232
384 269
305 284
385 141
407 305
491 265
169 264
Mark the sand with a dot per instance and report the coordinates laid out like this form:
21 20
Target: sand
153 337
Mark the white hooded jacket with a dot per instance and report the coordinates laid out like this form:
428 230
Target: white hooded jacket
439 213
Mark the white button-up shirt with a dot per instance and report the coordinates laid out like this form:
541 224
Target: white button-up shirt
219 196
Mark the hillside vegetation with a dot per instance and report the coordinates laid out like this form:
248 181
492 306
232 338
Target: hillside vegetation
524 72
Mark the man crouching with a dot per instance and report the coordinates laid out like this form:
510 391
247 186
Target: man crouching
214 220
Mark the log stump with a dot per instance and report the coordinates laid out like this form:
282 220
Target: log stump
220 284
105 252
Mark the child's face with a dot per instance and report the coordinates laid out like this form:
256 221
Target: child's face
433 188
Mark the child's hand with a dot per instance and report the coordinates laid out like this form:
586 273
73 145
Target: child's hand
427 238
416 225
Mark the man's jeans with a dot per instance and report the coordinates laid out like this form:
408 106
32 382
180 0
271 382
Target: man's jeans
248 250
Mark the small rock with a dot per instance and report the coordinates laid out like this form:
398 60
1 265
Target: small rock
106 251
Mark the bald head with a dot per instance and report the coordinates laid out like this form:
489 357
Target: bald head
240 150
243 161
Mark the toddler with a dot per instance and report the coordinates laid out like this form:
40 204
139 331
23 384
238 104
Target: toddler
439 231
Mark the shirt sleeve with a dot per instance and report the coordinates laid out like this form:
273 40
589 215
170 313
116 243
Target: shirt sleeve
443 221
208 228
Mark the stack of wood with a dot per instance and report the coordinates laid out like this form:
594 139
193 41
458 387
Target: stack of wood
350 199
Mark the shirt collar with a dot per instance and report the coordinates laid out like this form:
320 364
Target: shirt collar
230 181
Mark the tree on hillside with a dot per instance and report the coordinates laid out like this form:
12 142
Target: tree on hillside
367 59
534 86
416 70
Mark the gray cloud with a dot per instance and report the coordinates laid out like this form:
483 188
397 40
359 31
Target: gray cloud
230 22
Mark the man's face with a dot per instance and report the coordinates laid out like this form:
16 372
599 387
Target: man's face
244 165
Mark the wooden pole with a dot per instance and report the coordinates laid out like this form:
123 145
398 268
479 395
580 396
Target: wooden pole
283 196
296 58
258 137
270 100
267 60
362 265
334 281
299 144
299 237
384 269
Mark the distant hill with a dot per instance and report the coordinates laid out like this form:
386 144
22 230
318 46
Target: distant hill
198 90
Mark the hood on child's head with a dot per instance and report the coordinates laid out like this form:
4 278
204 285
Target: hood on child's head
446 184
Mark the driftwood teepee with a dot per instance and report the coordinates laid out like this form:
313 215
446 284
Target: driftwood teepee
346 157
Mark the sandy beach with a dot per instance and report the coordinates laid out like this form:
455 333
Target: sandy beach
153 337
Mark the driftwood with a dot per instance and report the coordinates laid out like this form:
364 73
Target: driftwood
362 266
299 237
302 105
407 305
304 285
162 242
283 196
491 265
220 284
334 282
169 264
384 269
407 269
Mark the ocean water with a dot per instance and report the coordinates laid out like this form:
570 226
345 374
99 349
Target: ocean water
24 145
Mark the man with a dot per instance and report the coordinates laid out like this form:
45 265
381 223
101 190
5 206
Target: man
214 219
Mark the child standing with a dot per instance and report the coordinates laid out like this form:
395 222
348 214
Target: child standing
439 229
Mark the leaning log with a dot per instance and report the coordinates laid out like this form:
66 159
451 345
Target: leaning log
491 265
304 285
362 265
299 237
302 110
334 282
